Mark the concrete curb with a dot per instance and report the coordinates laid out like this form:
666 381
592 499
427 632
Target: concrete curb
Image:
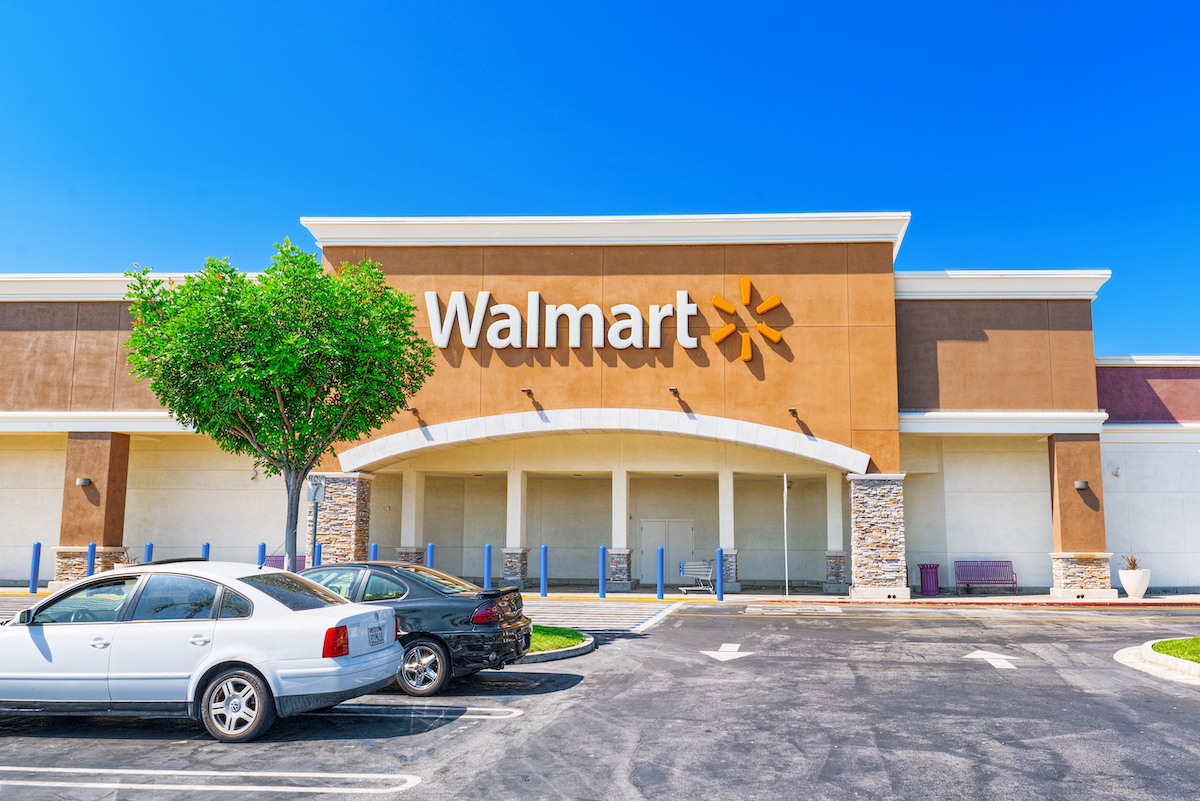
1174 663
586 647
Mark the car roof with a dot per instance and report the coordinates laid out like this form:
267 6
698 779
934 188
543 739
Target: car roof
216 570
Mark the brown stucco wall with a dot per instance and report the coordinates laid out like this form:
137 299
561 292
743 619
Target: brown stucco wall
1078 514
96 512
995 355
836 363
1149 394
68 357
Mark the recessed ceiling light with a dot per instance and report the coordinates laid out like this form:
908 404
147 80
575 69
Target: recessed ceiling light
579 475
479 475
678 475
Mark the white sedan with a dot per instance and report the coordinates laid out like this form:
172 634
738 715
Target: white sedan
230 644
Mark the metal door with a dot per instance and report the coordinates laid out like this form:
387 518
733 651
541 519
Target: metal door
676 539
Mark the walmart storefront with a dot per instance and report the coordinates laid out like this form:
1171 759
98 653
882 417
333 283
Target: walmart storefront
638 382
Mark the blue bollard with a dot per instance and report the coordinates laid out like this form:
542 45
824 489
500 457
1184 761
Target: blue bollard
149 557
542 572
487 566
660 573
262 554
374 551
91 559
33 568
317 556
204 551
720 574
603 568
429 555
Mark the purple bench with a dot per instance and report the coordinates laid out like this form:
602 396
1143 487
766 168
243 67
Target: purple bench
277 561
995 572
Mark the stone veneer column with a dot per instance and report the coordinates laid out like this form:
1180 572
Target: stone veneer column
516 567
620 570
93 512
414 556
731 571
877 536
1080 576
837 581
343 518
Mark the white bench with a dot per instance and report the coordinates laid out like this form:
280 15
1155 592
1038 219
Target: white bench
700 573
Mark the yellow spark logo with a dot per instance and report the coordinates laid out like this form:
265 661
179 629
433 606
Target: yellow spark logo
767 331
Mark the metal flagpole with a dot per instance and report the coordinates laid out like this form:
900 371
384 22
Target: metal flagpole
785 544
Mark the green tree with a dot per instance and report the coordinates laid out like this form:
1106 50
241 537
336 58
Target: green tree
279 366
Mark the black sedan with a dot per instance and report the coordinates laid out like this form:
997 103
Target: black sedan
454 628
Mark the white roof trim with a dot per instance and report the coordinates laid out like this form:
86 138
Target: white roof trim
64 422
1000 284
660 229
68 286
1010 423
407 444
1148 361
1174 433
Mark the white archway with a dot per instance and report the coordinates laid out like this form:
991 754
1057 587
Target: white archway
551 422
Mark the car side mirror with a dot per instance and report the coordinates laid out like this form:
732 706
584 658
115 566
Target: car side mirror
26 617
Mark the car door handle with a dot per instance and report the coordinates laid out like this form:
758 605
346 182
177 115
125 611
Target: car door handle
99 642
199 639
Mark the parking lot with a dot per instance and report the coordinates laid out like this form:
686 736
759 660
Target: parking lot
741 701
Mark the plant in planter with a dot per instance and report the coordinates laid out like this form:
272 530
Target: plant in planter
1134 579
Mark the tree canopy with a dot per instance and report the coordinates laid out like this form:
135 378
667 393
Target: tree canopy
279 366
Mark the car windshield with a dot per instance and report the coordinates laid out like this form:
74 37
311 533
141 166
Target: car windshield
294 592
439 580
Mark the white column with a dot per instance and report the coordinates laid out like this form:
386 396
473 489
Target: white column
725 509
833 511
620 508
412 509
518 484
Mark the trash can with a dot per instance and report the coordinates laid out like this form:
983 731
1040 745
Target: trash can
929 579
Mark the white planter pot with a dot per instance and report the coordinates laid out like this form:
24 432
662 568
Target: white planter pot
1134 582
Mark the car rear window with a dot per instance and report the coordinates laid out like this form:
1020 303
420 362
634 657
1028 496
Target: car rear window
294 592
439 580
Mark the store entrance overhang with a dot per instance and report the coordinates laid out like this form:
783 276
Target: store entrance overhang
379 453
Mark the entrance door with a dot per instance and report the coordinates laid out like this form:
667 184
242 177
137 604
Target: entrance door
675 538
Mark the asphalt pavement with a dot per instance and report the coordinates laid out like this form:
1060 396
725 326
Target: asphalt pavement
738 701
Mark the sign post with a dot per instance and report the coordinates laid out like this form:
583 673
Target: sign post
316 494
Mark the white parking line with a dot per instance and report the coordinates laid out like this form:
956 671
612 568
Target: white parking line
434 712
407 781
638 629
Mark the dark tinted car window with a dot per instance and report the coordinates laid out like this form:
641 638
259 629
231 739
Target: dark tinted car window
234 605
443 582
168 597
293 592
384 588
96 603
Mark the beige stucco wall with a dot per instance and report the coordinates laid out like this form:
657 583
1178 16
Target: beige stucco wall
1153 507
978 498
31 483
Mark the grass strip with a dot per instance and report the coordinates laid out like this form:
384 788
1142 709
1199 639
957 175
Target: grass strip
548 638
1188 649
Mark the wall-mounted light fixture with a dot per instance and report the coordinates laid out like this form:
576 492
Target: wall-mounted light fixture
1117 472
82 482
412 409
674 391
1081 485
792 412
527 391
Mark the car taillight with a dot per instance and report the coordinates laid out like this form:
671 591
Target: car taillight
337 642
488 613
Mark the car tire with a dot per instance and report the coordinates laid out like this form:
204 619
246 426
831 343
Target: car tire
237 706
425 668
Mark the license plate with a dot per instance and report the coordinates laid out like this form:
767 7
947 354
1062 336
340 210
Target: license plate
375 635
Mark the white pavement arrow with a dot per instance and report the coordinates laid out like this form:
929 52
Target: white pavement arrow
995 660
728 651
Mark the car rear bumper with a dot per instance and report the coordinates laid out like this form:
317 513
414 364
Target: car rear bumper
471 651
317 683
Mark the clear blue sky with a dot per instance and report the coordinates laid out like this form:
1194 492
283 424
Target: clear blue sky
1019 135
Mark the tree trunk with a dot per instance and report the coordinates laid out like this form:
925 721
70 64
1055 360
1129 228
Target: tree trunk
294 481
